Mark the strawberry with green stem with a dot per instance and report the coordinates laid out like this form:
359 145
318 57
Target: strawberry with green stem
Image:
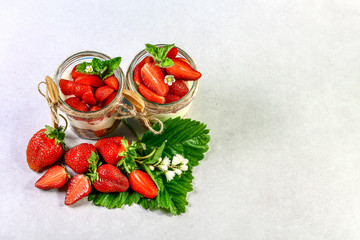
83 159
45 147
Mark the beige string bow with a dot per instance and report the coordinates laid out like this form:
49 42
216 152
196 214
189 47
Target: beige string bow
52 97
137 111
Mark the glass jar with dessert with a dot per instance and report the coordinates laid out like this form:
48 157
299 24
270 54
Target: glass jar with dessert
90 86
166 78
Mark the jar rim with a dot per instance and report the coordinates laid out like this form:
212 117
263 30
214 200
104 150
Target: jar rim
88 55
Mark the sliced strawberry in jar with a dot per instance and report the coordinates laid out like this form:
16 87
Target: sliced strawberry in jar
80 89
153 78
103 92
76 103
178 88
182 70
75 74
109 99
89 98
94 108
183 59
66 87
90 80
112 82
150 95
137 70
172 53
172 98
163 70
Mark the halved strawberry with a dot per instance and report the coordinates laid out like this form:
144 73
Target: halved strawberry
79 187
109 99
182 70
172 98
89 98
76 103
90 80
172 53
178 88
55 177
103 92
153 78
94 108
184 60
150 95
80 89
66 87
137 69
75 74
112 82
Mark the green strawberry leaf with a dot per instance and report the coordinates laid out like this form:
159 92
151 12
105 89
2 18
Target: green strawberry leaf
56 133
157 155
182 136
100 68
94 164
159 54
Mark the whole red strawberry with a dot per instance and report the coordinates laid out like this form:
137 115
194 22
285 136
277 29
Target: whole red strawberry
81 156
79 187
111 179
142 183
109 149
45 148
55 177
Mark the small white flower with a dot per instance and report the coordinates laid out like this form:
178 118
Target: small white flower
88 68
177 171
184 167
177 159
163 168
151 168
169 79
166 161
169 175
185 161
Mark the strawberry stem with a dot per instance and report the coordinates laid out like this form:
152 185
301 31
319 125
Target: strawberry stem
145 157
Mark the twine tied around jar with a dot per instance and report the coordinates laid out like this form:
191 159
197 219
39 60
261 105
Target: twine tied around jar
52 97
137 111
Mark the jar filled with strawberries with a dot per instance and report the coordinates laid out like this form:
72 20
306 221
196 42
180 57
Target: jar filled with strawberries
166 77
90 85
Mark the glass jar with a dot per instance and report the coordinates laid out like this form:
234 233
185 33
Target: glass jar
168 110
95 124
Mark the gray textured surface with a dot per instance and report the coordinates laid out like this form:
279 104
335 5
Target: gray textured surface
280 93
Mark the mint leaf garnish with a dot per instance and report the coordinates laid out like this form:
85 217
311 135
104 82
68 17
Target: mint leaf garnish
186 137
159 54
100 68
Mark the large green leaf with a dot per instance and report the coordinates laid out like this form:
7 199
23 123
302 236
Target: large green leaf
182 136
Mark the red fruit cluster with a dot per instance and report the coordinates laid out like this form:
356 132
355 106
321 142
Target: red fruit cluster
83 159
150 78
88 92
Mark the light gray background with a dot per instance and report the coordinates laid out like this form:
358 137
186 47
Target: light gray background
280 93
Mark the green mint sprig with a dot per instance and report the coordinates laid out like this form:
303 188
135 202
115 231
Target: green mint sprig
159 54
102 69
